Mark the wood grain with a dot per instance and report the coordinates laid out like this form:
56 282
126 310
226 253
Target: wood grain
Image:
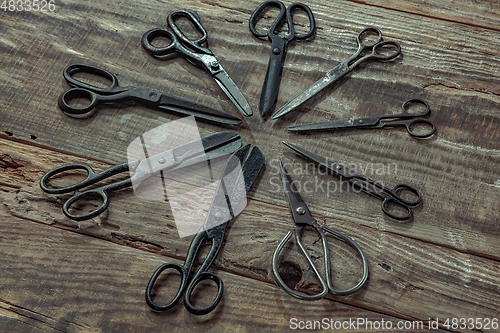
442 263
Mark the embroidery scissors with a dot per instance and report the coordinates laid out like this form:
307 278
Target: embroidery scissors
144 96
211 146
405 118
303 218
387 195
195 53
228 199
380 50
278 47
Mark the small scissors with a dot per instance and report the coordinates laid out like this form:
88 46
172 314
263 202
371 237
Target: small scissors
227 199
345 67
387 195
303 218
213 145
278 47
145 96
390 120
195 53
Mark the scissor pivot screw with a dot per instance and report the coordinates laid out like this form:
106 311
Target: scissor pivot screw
361 121
162 161
214 64
276 50
218 216
300 211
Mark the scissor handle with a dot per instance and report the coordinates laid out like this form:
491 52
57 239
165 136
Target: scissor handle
196 280
178 41
77 67
405 108
80 196
377 46
388 201
362 40
412 122
289 19
92 178
404 187
282 283
276 22
89 180
66 97
358 249
184 275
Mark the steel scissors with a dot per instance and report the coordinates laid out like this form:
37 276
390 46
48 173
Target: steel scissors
144 96
228 197
303 218
195 53
405 118
387 195
379 50
278 47
212 146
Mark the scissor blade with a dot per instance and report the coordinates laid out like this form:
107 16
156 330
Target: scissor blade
330 77
300 211
230 142
327 125
332 167
269 90
232 91
198 110
239 174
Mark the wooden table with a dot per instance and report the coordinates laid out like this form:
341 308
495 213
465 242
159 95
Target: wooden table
58 275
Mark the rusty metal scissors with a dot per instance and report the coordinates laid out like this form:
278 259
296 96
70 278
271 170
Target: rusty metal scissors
278 46
302 218
378 50
211 146
144 96
195 53
227 203
405 118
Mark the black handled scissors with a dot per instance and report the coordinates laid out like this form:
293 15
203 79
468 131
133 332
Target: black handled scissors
144 96
195 53
211 146
409 120
229 195
387 195
303 218
278 47
380 50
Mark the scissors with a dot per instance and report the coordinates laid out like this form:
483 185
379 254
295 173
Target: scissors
387 195
380 50
211 146
144 96
228 197
409 120
195 53
303 218
278 47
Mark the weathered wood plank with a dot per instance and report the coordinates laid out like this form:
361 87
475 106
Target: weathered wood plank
59 281
410 278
